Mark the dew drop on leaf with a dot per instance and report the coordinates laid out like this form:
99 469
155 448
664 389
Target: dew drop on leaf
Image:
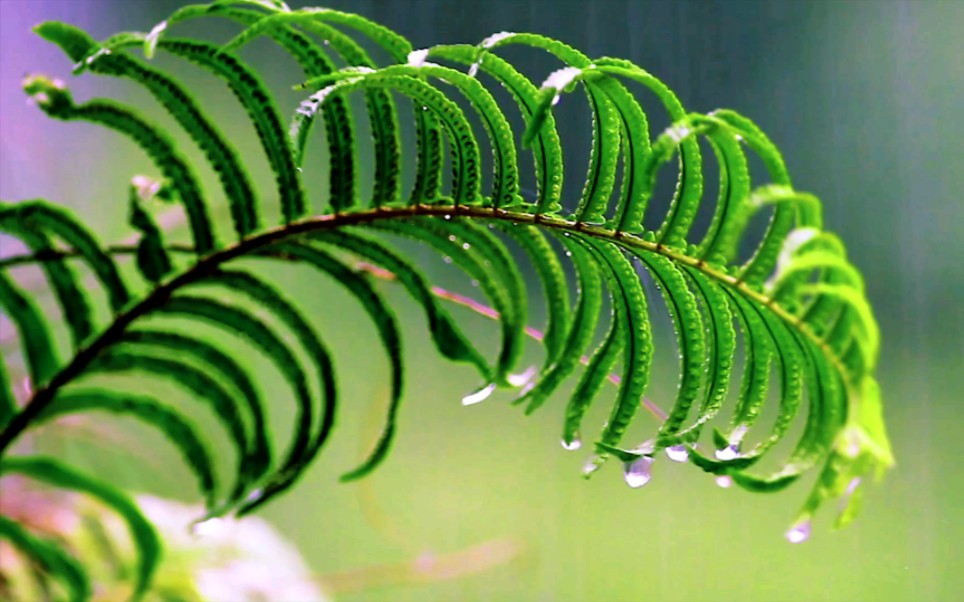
207 527
571 445
799 532
677 453
479 395
725 481
637 473
730 452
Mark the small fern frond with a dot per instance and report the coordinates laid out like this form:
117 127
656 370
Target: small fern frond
796 309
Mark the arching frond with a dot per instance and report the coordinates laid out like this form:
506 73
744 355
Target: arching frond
796 309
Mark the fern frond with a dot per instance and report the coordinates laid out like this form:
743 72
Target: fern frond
797 307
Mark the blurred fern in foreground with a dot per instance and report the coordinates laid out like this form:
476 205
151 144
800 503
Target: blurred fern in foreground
796 308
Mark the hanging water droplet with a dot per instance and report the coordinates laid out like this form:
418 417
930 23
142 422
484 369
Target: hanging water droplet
725 481
518 380
677 453
571 445
637 473
478 396
799 533
207 527
730 452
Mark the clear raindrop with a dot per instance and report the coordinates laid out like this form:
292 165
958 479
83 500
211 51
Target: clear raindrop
799 533
572 445
207 527
677 453
730 452
478 396
725 481
637 473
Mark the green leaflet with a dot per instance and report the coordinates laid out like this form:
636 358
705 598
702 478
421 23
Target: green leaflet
55 473
80 47
217 362
271 298
8 403
386 324
547 153
479 269
50 556
585 317
554 287
152 258
260 107
55 100
46 217
466 177
241 324
74 304
176 428
449 339
202 386
35 339
628 298
690 338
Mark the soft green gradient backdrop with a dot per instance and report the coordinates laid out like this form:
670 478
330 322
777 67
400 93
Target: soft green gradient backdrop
864 98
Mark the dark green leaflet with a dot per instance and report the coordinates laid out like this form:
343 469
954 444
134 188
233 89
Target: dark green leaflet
35 339
58 474
8 402
449 339
50 556
554 286
216 362
690 338
387 326
43 216
477 268
176 428
600 365
56 101
177 101
243 325
74 304
547 152
152 258
381 108
638 341
202 386
466 179
271 298
260 107
585 318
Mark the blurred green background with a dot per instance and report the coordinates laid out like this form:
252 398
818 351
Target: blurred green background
864 99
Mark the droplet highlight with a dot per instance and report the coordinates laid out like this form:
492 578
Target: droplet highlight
637 473
677 453
478 396
799 533
573 445
730 452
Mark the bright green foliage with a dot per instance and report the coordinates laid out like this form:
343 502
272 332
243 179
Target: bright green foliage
796 309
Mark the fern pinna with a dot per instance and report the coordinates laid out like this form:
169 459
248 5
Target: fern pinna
797 304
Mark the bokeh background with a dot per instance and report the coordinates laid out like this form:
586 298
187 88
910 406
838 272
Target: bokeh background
864 99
